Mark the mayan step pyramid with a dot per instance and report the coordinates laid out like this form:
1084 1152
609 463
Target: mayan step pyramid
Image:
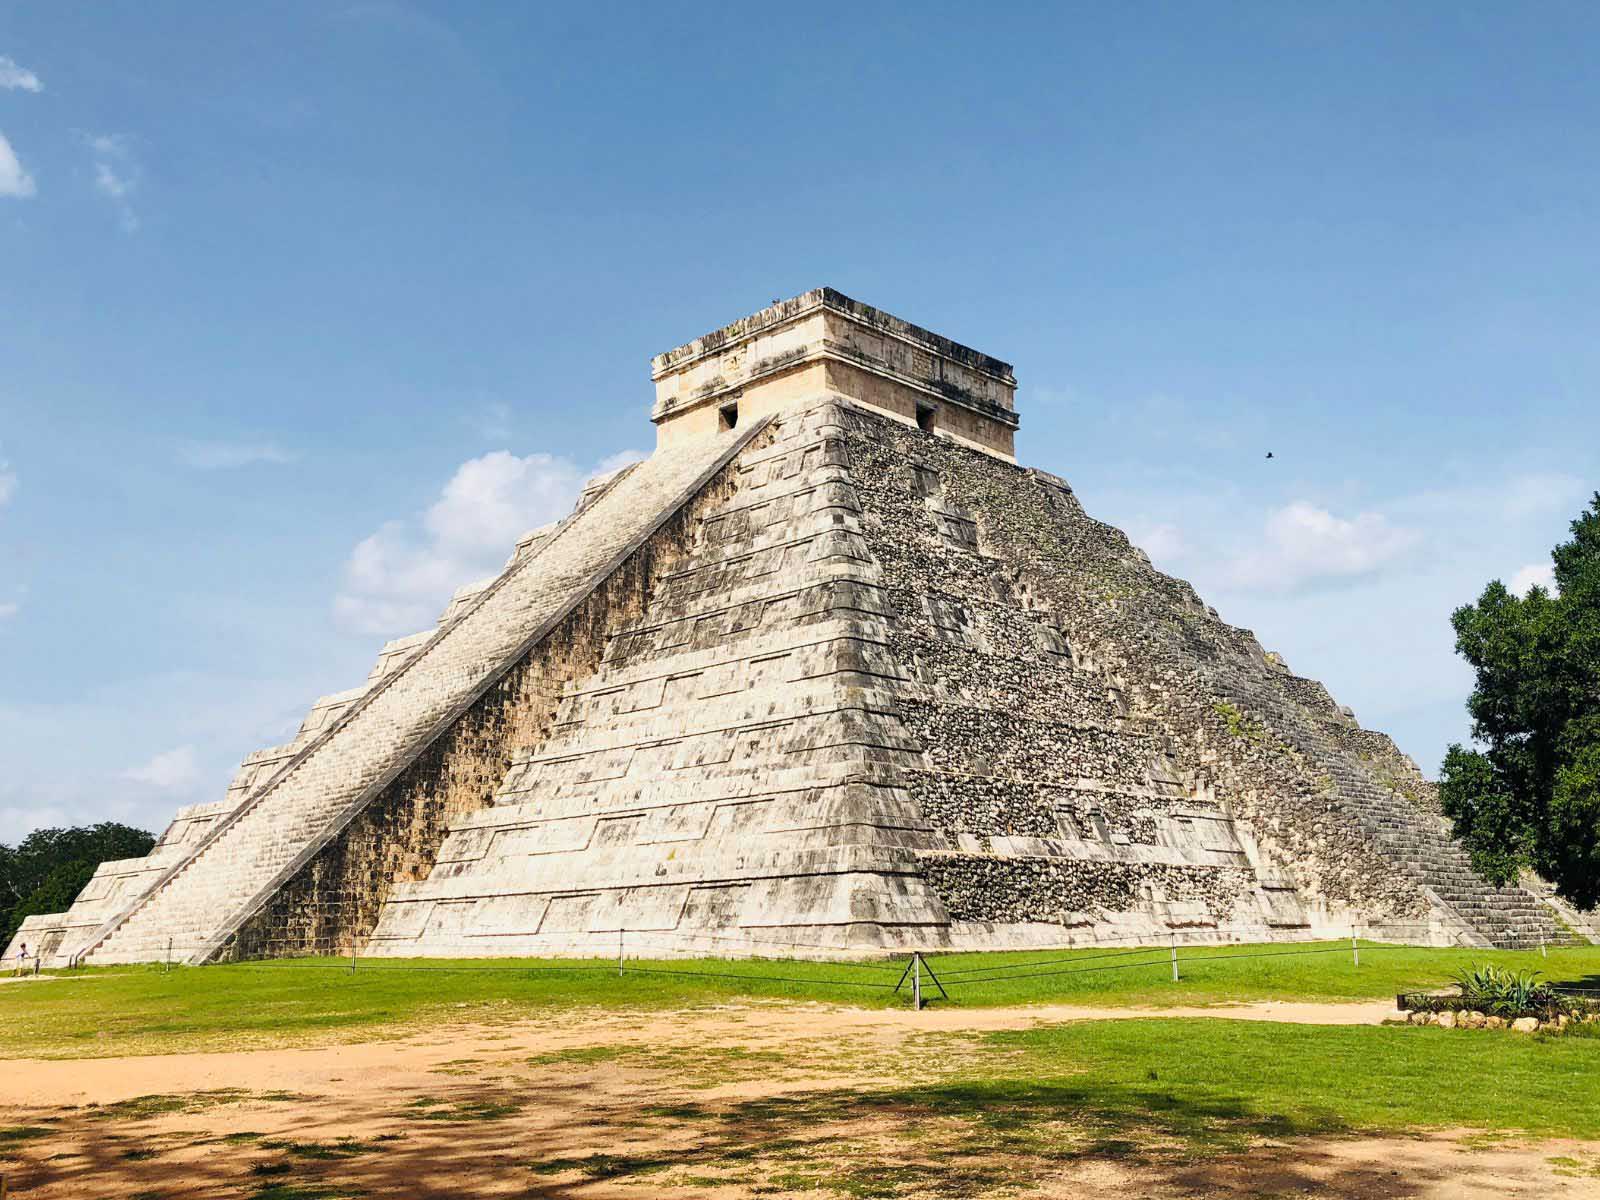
829 673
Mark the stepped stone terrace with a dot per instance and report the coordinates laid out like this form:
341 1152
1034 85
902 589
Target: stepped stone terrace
829 673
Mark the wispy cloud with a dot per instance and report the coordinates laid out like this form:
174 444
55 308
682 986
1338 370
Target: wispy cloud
175 770
224 456
8 482
1303 544
14 178
1534 575
398 579
1528 494
493 421
15 78
9 610
117 175
615 462
1163 541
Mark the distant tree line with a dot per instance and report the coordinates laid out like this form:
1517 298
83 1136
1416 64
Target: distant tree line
45 871
1528 795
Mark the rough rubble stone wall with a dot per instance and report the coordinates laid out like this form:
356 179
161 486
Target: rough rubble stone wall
1061 891
1053 803
867 688
246 858
335 899
1196 703
725 778
1150 635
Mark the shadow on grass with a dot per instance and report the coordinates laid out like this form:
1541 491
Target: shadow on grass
958 1139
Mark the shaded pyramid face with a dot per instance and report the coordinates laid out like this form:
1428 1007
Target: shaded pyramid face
902 694
819 685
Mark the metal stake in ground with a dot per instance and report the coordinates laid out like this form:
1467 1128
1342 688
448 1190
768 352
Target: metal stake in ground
1174 958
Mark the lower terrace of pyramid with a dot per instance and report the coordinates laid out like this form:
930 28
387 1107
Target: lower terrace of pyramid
691 794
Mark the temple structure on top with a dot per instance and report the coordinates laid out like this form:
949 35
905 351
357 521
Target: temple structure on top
824 343
829 673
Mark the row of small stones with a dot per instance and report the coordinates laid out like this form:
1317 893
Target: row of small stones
1451 1019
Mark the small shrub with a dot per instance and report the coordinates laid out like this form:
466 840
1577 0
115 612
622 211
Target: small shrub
1506 993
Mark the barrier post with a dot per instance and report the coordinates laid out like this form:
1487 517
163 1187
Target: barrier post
916 981
1355 950
352 956
619 950
1174 938
169 954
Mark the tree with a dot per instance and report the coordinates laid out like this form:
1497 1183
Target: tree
46 870
1530 797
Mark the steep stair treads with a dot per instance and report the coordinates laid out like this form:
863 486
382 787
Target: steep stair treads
245 856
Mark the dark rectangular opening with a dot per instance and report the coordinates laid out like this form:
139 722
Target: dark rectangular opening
925 415
728 416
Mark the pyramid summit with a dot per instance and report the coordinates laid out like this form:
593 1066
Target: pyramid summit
828 673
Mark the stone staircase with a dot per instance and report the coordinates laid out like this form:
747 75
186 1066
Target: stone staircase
1414 839
197 905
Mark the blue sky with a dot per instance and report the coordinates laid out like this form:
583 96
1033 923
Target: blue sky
307 309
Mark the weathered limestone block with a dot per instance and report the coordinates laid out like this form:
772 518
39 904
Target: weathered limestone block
828 673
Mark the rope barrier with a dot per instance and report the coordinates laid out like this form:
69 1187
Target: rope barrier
982 973
859 983
1045 962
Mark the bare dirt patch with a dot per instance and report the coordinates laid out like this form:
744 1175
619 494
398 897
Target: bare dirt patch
774 1100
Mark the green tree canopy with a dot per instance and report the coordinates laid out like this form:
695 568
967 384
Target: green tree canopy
48 868
1531 796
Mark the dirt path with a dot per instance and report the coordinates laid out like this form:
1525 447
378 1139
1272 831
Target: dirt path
710 1103
405 1061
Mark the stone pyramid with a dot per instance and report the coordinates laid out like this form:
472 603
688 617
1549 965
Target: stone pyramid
828 673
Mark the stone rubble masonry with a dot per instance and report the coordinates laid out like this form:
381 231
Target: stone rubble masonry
248 855
826 683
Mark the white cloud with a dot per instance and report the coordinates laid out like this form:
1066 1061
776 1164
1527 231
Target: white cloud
1304 544
1540 574
398 579
116 175
1530 494
221 456
15 78
19 820
1163 542
9 610
622 458
51 768
8 482
14 179
176 770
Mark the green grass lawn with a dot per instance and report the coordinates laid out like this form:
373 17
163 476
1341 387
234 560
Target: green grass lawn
1016 1103
122 1010
1264 1079
1183 1086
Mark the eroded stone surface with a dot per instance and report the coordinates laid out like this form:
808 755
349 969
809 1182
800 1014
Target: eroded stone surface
824 683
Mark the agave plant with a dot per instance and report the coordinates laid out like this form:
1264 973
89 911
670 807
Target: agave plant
1506 993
